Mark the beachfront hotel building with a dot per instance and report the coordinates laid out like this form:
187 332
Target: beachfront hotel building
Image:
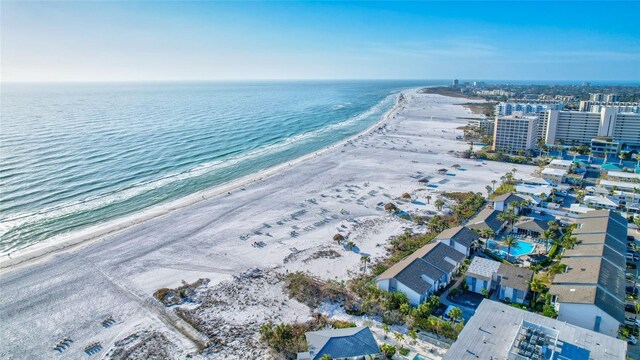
591 292
580 128
597 106
513 133
511 107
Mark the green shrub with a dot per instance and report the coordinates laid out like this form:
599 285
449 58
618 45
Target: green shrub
549 311
341 324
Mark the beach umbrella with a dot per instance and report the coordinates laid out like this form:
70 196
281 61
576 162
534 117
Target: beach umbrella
406 196
390 207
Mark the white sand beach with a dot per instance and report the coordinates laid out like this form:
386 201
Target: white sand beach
281 220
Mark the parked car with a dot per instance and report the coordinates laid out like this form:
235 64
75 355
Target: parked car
630 308
632 339
630 238
632 321
631 290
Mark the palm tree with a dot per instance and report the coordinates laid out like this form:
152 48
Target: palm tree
455 313
365 259
510 241
413 334
493 185
637 309
434 323
487 234
488 187
428 198
326 357
385 329
508 216
439 204
568 242
515 205
547 235
537 287
398 336
388 350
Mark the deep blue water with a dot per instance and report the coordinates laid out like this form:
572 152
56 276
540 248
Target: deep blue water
73 155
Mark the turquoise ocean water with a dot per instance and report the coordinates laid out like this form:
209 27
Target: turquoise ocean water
74 155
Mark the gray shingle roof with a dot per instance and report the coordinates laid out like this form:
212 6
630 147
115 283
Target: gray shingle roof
460 234
443 257
487 218
595 272
507 198
515 277
342 343
411 276
532 224
431 260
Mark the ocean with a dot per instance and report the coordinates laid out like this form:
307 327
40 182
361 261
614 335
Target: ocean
75 155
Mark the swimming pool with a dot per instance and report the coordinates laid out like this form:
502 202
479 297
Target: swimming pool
522 248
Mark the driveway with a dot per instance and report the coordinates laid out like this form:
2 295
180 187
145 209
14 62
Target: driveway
467 312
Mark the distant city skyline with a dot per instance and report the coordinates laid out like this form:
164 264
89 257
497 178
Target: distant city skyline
177 41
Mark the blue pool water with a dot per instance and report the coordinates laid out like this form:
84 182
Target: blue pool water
522 248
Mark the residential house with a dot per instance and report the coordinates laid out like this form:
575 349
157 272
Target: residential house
503 202
349 343
486 219
623 176
480 273
422 273
553 175
591 293
460 238
530 226
510 282
561 164
602 202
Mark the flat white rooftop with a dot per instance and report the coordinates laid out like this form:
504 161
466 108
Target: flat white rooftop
564 163
555 172
492 330
624 175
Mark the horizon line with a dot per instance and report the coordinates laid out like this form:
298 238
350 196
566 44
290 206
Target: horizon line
2 82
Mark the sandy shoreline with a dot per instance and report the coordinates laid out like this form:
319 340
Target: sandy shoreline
282 223
99 232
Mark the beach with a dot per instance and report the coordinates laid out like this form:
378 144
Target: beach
240 236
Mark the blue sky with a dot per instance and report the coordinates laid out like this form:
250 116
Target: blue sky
116 41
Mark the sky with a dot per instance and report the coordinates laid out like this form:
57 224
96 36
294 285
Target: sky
242 40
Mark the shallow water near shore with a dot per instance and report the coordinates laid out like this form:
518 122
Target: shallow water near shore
75 155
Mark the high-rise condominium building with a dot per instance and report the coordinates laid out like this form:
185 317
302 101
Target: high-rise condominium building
513 133
579 128
510 107
597 106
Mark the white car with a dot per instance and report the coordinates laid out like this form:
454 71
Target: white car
632 339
